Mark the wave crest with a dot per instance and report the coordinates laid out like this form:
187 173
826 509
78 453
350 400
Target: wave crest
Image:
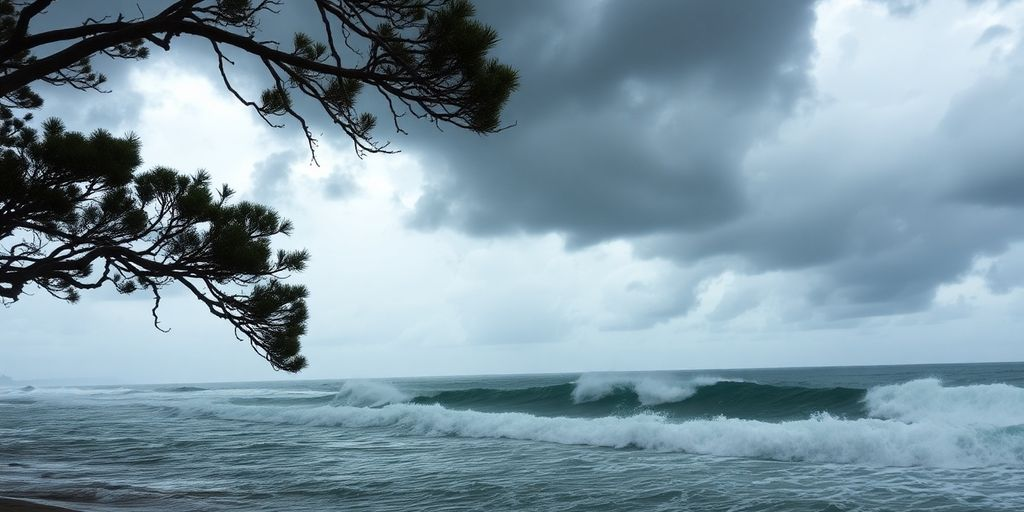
821 438
927 400
369 393
649 389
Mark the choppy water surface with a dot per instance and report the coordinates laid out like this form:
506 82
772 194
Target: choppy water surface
947 437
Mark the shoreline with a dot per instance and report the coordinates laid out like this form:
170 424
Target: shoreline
21 505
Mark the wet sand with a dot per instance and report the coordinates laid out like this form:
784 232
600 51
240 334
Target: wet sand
13 505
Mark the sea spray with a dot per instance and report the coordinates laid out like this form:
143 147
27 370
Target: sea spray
369 393
649 389
927 400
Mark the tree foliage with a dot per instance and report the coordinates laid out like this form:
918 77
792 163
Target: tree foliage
71 203
427 58
76 213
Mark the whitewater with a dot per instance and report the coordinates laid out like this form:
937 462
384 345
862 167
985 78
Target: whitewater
944 437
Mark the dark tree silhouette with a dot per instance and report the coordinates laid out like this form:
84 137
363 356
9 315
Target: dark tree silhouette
72 204
427 58
69 201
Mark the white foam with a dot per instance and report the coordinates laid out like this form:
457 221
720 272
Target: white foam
82 391
821 438
927 400
650 389
369 393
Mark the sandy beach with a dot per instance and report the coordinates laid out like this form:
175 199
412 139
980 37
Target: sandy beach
13 505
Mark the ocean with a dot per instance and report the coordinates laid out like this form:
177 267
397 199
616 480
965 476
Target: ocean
899 438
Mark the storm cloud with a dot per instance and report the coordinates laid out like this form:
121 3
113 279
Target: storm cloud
630 121
696 130
681 184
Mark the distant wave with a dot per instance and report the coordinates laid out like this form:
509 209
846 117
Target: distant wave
16 401
701 397
354 393
649 389
182 389
369 393
82 391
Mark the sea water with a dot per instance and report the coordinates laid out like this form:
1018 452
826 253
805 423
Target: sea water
937 438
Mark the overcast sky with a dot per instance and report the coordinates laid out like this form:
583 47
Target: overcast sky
689 185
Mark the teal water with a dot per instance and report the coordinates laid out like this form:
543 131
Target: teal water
941 437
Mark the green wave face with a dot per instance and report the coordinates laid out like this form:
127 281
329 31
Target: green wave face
745 400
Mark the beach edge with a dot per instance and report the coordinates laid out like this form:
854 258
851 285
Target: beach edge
22 505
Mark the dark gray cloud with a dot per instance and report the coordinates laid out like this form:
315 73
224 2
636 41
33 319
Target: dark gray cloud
905 8
272 181
187 52
632 119
618 142
89 110
340 184
880 216
80 109
271 177
1000 3
644 303
636 121
982 139
647 149
901 8
993 33
591 185
1007 272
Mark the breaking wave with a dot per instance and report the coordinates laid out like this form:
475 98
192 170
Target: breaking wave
625 395
820 438
369 393
916 423
927 400
649 390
